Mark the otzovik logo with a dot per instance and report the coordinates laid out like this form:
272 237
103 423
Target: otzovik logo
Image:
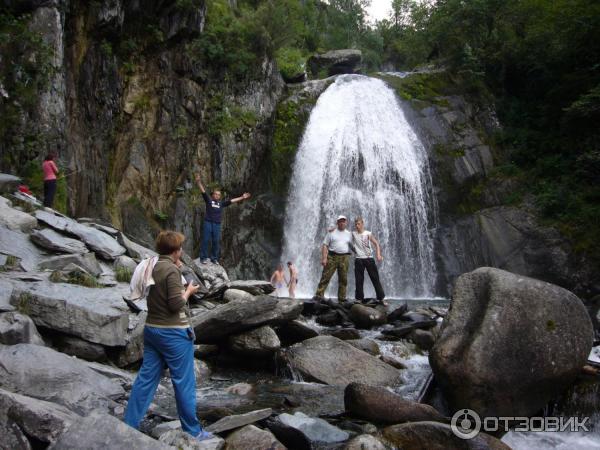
466 423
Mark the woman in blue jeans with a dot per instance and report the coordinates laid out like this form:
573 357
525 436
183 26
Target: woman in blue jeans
168 340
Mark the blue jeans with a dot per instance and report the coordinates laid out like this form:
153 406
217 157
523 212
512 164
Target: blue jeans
175 348
211 232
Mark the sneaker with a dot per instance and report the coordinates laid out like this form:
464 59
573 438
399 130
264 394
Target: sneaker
216 262
205 261
204 436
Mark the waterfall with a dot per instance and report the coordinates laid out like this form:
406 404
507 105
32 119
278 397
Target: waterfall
360 156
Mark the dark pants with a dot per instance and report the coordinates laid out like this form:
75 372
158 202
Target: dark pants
49 191
360 264
335 263
211 233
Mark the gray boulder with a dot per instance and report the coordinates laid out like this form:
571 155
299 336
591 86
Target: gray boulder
237 421
101 432
103 244
254 287
56 242
94 314
14 219
134 250
366 317
9 183
46 374
260 342
335 62
16 328
254 438
377 404
298 428
180 440
240 315
346 334
42 420
236 294
86 261
509 343
18 244
295 331
436 436
133 350
329 360
125 262
422 338
78 347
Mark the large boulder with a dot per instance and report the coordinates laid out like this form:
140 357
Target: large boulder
254 438
13 437
366 317
42 420
180 440
260 342
301 431
243 314
18 244
46 374
377 404
100 242
295 331
436 436
56 242
86 261
335 62
365 442
16 328
94 314
509 343
6 290
100 432
14 219
78 347
329 360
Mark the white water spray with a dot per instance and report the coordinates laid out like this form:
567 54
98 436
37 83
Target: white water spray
360 156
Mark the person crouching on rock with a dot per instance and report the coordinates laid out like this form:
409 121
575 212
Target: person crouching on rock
168 340
211 230
335 256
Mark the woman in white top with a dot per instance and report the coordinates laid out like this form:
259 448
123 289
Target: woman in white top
363 252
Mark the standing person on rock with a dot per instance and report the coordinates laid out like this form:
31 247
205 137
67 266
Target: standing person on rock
211 229
50 171
335 256
293 279
363 252
278 280
168 340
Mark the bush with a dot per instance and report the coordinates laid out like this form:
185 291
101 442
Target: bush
123 274
291 62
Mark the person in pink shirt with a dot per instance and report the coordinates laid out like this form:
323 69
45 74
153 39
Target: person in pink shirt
50 172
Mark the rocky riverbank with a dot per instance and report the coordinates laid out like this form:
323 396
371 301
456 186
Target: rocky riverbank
272 373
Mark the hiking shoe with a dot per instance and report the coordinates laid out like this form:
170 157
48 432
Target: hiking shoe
205 261
216 262
204 436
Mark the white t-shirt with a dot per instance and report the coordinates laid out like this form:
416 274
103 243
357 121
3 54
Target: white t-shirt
362 244
339 241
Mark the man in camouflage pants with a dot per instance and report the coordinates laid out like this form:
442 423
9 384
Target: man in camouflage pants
335 256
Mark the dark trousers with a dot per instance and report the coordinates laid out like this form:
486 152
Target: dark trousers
49 191
360 264
211 234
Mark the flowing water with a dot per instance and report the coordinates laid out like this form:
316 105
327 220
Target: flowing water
360 156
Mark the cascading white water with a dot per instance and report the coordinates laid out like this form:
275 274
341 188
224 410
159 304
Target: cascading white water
360 156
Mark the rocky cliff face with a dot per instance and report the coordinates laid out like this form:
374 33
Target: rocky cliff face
133 111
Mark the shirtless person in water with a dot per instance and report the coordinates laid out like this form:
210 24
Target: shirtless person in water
278 281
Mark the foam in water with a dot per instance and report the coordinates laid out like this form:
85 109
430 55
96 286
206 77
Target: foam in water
360 156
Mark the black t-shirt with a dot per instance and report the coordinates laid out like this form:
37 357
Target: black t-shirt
214 208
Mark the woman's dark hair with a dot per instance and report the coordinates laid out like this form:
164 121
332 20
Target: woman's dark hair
50 156
169 241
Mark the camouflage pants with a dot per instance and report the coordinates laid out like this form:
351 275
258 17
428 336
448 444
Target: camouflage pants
339 263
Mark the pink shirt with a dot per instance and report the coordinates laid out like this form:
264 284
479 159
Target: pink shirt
50 170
